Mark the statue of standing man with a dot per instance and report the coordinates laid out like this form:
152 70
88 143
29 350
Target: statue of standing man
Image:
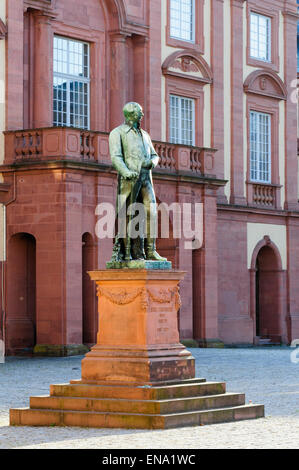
133 156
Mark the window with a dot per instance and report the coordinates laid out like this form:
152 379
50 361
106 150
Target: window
260 37
71 83
182 20
181 120
260 147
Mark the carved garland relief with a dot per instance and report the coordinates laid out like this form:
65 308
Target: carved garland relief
125 297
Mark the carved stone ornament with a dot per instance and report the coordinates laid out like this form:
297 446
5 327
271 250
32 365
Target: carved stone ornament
187 64
267 240
125 296
121 296
265 83
162 296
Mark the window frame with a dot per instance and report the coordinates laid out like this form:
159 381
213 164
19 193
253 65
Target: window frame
72 78
192 100
258 160
192 22
179 86
267 105
274 64
198 23
268 37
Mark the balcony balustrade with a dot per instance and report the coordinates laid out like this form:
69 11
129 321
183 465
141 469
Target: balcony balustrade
64 143
263 195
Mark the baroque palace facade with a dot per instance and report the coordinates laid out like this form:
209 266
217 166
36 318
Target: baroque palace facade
217 80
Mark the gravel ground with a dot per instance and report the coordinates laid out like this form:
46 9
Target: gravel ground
266 375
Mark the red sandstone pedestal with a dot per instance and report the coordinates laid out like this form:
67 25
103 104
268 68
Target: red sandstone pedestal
138 339
138 375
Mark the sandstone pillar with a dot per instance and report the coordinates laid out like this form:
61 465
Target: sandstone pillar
208 281
290 79
43 71
237 108
119 77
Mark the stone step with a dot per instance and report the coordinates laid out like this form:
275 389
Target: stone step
138 393
266 342
137 406
39 417
151 384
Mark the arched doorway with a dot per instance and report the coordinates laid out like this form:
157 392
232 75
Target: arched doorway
270 327
21 294
89 305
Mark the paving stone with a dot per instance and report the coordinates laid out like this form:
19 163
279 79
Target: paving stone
265 375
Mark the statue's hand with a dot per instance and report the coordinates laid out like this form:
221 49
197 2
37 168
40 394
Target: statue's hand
148 164
130 175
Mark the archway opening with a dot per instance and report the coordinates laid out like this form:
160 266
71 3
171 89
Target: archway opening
89 313
21 294
268 309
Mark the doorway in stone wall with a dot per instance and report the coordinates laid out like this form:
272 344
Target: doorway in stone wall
20 331
268 315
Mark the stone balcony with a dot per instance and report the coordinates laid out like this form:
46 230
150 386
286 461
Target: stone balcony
56 144
263 195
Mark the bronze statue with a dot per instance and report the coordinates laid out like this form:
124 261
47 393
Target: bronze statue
133 156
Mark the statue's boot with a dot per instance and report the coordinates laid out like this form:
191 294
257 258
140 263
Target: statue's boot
138 249
127 249
151 253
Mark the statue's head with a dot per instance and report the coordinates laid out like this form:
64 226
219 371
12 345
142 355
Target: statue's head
133 113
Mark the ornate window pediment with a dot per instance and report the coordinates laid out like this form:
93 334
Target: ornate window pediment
3 29
186 64
266 83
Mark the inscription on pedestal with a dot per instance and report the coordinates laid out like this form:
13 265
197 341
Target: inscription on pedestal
161 309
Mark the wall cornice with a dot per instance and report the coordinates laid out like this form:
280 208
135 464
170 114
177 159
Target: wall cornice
46 7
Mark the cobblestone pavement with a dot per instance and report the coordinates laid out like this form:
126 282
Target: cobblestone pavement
266 375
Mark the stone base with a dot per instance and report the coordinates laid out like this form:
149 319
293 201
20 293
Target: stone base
185 403
138 340
139 264
138 375
60 350
137 366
